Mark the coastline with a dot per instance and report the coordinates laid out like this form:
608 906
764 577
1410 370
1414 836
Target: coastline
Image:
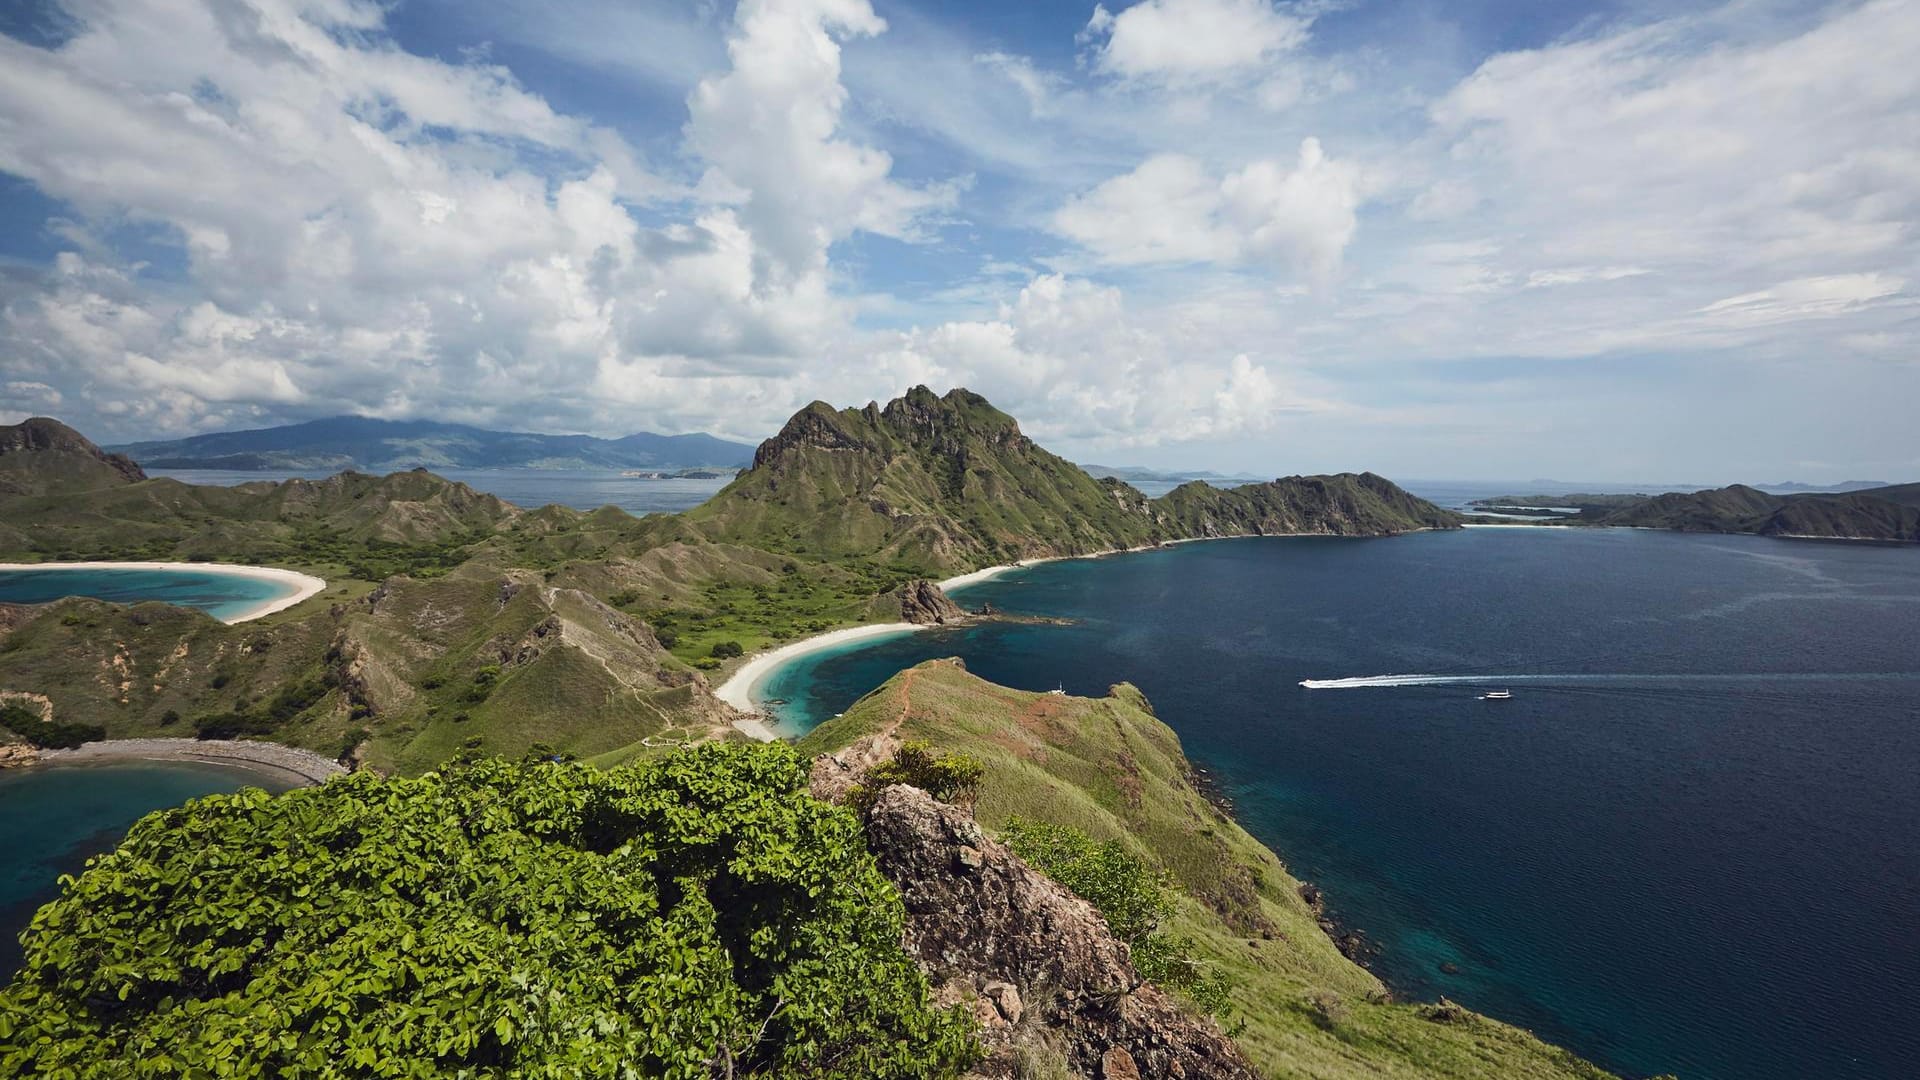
304 767
737 691
304 585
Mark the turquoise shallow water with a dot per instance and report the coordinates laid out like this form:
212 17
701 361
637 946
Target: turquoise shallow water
218 594
53 819
1690 843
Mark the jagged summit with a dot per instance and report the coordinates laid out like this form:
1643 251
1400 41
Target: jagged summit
946 482
919 418
41 456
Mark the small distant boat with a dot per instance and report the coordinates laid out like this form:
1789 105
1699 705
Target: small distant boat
1058 691
1496 695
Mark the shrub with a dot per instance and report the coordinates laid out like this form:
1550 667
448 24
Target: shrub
351 741
169 718
726 650
694 916
949 777
1133 896
56 735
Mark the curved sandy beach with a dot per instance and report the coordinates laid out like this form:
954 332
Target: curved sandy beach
303 585
301 767
737 691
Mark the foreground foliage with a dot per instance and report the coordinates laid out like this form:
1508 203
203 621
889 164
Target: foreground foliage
693 916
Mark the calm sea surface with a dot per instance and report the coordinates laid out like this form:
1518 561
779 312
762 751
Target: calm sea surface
53 819
219 595
1690 843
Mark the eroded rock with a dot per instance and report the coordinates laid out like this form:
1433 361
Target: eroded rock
1032 954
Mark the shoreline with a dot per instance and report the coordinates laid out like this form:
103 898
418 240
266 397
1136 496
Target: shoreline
304 585
737 690
304 767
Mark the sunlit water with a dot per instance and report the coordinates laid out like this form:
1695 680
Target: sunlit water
1689 843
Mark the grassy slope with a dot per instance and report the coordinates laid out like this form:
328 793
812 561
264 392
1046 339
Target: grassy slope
1741 509
1109 767
933 485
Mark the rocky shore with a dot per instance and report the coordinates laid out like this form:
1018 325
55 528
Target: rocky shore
300 767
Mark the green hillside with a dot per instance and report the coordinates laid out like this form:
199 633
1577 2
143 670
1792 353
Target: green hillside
1862 515
590 631
1108 767
948 483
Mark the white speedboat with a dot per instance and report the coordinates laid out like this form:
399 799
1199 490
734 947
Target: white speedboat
1496 695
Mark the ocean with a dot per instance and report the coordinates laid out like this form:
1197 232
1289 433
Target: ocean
52 819
1689 843
220 595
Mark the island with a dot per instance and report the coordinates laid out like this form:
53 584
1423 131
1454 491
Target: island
943 879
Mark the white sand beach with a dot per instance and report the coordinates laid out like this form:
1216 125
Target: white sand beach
303 585
737 691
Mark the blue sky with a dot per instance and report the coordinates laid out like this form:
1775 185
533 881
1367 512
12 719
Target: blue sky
1629 241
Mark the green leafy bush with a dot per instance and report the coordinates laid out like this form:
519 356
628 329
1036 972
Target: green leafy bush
1133 896
693 916
947 777
726 650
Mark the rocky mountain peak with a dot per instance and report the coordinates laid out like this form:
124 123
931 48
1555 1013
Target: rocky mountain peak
61 457
818 426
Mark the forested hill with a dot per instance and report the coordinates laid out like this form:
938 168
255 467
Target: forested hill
951 483
361 442
1888 513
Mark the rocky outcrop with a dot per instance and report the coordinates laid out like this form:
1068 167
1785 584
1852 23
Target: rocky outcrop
818 426
40 456
1035 963
922 602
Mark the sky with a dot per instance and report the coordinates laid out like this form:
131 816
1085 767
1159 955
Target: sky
1606 239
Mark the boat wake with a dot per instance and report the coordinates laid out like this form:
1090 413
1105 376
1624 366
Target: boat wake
1370 681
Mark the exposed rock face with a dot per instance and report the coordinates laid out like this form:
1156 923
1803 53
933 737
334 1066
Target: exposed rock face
923 602
40 455
1029 956
818 425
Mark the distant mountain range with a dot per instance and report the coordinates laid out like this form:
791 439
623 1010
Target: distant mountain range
1131 473
1786 487
364 443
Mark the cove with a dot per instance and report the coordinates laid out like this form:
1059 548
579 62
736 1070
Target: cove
228 593
52 819
1684 845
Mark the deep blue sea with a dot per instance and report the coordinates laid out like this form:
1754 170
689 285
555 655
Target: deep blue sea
220 595
53 818
1689 843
